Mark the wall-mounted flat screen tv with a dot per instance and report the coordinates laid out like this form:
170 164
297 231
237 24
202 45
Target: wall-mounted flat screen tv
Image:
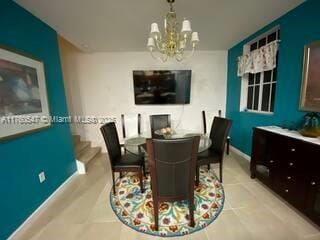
162 86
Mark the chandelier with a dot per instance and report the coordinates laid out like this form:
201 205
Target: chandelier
172 43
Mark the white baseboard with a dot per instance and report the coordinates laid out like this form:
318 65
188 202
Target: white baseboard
81 167
240 153
37 212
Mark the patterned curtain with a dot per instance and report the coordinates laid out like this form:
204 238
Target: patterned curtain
259 60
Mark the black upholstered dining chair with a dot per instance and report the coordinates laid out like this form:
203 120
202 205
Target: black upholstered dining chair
158 122
172 167
204 120
218 135
121 162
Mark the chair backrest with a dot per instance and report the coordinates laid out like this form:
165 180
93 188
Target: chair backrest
219 133
204 121
123 124
172 166
110 135
139 123
159 121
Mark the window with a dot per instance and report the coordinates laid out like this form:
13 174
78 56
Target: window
258 90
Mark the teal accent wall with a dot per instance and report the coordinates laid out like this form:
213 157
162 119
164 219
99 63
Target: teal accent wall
50 150
297 28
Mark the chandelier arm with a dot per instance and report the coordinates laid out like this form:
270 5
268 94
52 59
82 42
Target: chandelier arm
179 54
179 58
154 56
161 58
164 57
179 51
160 48
191 54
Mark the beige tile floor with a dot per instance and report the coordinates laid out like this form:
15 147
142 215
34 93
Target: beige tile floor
82 211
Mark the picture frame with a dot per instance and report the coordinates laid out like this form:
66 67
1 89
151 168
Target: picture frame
24 106
310 86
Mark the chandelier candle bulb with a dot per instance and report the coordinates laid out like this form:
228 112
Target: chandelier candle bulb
154 29
186 27
150 44
195 37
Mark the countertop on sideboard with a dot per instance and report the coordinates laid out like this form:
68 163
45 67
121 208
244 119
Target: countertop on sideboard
290 133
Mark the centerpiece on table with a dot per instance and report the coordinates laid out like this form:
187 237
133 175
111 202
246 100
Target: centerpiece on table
165 132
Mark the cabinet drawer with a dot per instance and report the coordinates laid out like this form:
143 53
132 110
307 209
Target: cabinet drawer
312 204
292 188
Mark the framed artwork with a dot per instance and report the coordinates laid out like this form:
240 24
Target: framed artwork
23 94
310 88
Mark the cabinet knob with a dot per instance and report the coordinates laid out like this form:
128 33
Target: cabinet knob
287 190
289 178
271 161
293 149
313 183
291 164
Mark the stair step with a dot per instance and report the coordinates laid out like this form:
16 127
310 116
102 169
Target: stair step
81 146
86 156
76 139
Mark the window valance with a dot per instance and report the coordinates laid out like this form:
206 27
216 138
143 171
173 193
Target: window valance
259 60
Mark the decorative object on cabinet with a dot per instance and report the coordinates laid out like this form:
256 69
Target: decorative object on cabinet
311 125
289 164
23 94
310 88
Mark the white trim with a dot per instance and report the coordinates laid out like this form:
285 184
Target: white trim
240 153
81 167
265 34
244 92
37 212
259 112
245 78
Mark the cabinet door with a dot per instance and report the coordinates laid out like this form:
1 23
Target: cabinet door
265 160
312 160
313 199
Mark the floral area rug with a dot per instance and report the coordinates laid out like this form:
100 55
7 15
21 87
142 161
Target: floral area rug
136 210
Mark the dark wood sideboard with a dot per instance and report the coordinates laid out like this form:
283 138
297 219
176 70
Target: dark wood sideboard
289 166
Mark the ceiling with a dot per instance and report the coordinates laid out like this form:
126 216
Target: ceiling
124 25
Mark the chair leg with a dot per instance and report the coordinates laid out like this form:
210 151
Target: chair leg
208 166
197 176
141 180
120 173
156 214
220 169
113 184
144 169
191 214
228 146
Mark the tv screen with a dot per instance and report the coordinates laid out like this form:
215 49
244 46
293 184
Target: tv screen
162 87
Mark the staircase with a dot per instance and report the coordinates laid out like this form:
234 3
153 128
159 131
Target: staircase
84 153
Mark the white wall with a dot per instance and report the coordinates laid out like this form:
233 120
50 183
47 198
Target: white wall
104 87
